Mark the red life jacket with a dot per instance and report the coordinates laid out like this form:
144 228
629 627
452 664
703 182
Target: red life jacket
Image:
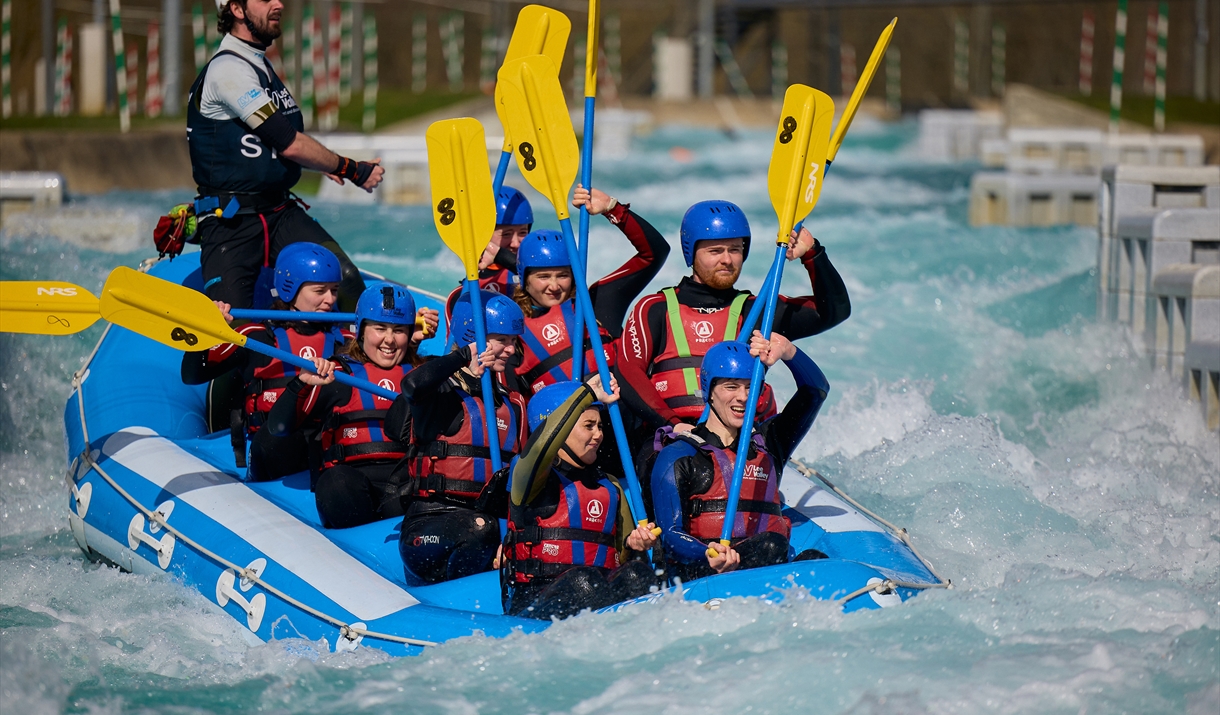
269 381
675 372
759 506
460 465
546 356
353 433
493 278
582 532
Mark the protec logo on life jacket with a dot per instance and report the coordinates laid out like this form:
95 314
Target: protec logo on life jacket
546 355
675 371
582 531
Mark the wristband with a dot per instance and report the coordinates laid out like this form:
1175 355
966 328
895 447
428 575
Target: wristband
356 172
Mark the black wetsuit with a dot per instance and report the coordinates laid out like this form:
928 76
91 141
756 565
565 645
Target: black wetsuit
443 537
347 495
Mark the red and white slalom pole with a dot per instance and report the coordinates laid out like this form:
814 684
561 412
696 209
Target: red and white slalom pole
334 41
133 78
152 79
847 68
1086 53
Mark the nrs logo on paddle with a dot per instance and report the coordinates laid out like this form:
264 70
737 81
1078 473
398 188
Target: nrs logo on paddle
56 291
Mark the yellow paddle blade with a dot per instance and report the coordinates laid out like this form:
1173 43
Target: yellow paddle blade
46 307
463 205
794 178
539 31
592 48
171 314
866 78
541 128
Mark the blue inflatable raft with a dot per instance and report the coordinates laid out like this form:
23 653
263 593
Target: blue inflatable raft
153 492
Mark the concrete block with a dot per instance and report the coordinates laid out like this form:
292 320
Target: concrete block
1203 379
1147 243
956 134
1073 151
1185 299
1154 149
1130 190
1015 199
673 63
994 152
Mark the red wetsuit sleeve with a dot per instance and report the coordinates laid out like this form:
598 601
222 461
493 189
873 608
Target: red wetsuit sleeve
644 338
826 306
612 295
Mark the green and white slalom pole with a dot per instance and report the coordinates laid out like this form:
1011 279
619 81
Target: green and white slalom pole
1120 57
1162 39
586 179
201 41
120 67
6 58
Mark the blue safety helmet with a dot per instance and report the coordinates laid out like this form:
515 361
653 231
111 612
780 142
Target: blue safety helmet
501 315
383 302
729 360
303 262
512 208
713 221
541 249
548 399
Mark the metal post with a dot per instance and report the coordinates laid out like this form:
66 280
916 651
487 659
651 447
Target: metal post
48 58
706 39
171 57
1201 33
999 60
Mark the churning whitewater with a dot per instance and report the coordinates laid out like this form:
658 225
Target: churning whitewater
1069 492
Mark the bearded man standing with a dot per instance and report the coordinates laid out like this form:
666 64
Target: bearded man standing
668 333
248 145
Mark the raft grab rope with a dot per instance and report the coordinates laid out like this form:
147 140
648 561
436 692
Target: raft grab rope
887 585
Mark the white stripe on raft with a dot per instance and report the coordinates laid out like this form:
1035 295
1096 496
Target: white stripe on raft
284 539
823 507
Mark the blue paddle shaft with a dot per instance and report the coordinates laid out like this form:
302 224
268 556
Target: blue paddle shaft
489 401
292 315
506 158
747 327
586 180
301 362
756 383
583 303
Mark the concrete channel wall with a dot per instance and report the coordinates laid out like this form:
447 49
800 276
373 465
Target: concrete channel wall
1159 270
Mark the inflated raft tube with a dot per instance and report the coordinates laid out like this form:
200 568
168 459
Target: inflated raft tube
153 492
